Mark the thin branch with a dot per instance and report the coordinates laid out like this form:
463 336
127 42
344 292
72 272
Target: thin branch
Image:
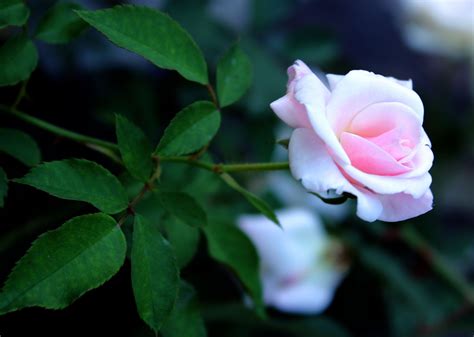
78 137
438 263
213 95
21 94
220 168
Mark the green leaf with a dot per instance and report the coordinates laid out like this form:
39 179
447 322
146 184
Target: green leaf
63 264
284 142
228 245
336 200
258 203
79 179
153 35
3 186
184 207
13 12
20 146
190 130
185 320
18 57
155 275
234 76
60 24
183 238
134 148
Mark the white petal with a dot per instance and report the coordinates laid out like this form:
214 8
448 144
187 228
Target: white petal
290 192
416 186
369 206
333 80
401 206
311 163
312 93
405 83
303 298
276 252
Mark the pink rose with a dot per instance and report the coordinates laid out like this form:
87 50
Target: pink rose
364 136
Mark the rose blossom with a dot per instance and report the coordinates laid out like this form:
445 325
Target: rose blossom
361 135
300 265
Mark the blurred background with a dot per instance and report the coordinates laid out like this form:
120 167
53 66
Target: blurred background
391 288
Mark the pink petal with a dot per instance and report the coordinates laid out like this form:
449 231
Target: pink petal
415 182
370 158
287 108
291 112
311 163
297 71
401 206
359 89
393 126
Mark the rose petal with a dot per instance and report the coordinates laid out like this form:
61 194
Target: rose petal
305 297
297 71
311 163
276 252
401 206
334 79
359 89
415 182
416 186
393 126
369 157
312 93
291 112
422 160
405 83
286 107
